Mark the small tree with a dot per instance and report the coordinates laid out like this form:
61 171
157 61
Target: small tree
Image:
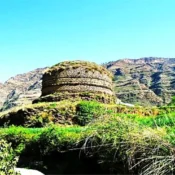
7 159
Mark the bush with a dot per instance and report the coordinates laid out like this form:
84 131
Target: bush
87 111
7 159
114 141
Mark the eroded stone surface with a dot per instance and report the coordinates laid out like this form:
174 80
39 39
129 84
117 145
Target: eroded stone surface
77 77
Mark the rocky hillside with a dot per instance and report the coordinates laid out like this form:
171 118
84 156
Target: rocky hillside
146 81
21 89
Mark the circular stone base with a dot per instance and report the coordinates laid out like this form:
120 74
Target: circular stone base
100 97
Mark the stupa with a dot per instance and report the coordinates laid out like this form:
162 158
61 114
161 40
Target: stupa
75 80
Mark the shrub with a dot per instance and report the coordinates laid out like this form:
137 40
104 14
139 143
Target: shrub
40 120
143 150
7 159
87 111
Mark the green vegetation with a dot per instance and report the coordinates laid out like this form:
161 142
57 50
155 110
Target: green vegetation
172 101
125 140
7 159
67 112
87 111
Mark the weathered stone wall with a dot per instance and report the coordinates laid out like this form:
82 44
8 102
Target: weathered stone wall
84 78
76 80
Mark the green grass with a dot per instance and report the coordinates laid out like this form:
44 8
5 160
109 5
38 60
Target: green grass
116 138
142 139
66 112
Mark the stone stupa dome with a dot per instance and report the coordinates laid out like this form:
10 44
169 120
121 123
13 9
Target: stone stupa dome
77 79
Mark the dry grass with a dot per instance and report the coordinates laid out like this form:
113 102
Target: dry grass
89 66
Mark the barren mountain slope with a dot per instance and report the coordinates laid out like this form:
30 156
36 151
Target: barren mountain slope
146 81
21 89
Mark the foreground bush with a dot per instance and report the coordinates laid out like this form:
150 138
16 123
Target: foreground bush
7 159
119 144
122 140
141 149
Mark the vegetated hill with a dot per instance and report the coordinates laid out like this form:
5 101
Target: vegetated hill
146 81
21 89
69 137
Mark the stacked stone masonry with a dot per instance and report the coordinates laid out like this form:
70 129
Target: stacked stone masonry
77 79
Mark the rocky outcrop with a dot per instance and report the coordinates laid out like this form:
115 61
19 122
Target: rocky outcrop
81 79
146 81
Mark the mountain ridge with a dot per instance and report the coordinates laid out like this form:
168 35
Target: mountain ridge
143 81
17 90
148 80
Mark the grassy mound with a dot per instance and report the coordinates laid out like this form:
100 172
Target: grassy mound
67 112
120 139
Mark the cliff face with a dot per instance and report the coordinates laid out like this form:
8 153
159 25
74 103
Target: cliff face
147 81
21 89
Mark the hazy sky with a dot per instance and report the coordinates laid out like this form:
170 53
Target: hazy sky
39 33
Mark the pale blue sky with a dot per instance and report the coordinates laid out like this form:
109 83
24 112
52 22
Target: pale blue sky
39 33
